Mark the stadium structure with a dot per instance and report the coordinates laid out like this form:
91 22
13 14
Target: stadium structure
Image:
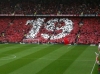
32 34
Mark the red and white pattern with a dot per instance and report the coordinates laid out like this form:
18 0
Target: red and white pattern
50 29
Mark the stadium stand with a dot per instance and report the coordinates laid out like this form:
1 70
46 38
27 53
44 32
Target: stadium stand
89 32
12 29
77 7
50 30
39 21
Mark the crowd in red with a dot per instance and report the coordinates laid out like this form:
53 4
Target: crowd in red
15 30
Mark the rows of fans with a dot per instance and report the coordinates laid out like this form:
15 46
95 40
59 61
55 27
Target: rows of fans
50 30
31 8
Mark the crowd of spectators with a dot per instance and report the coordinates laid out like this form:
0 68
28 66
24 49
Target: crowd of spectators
89 32
49 8
85 30
54 30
